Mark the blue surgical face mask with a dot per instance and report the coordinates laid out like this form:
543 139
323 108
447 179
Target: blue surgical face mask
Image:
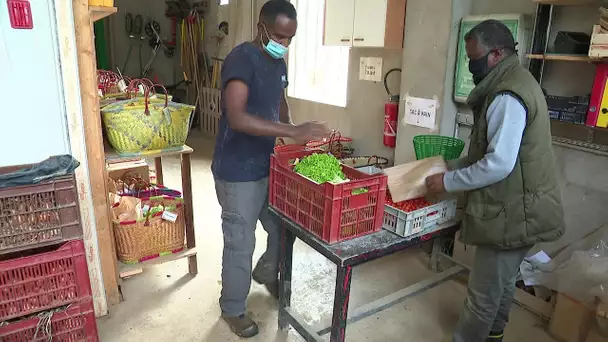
275 49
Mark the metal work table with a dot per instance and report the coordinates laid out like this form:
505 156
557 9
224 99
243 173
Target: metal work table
346 255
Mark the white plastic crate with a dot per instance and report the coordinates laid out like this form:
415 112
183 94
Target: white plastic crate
211 111
370 170
421 221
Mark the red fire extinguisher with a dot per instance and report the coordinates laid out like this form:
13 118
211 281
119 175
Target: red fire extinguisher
391 114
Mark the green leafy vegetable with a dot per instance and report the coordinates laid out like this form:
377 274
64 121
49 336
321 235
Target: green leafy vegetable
360 191
320 168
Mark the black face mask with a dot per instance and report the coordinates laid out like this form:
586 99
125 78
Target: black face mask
479 68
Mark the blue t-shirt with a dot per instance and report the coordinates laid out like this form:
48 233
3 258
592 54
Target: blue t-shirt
240 157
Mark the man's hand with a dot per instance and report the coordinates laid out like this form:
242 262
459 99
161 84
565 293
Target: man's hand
435 183
310 131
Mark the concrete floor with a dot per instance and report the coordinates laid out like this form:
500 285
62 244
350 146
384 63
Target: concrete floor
166 304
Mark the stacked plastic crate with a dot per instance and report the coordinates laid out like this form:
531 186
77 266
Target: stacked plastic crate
45 293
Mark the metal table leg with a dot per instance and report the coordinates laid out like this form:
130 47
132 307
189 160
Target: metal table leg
285 266
438 244
341 299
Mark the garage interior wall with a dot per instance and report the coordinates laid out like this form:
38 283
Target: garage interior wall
430 48
363 117
165 70
428 61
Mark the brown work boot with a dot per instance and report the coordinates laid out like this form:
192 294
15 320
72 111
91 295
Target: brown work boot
242 326
273 288
263 276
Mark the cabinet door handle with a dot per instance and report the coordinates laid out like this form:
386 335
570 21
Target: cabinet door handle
345 40
358 39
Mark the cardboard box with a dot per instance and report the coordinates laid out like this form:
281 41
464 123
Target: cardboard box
118 170
574 321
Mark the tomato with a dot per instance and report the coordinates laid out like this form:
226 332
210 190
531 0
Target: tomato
409 205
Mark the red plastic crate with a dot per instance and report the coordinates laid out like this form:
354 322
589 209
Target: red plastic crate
43 281
38 215
329 211
75 324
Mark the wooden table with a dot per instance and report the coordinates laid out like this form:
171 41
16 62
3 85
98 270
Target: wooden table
346 255
190 252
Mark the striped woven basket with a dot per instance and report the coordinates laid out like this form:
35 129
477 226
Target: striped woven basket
140 124
152 236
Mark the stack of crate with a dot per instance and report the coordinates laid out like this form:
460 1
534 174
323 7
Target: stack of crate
45 292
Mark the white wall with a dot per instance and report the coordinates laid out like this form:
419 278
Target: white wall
33 122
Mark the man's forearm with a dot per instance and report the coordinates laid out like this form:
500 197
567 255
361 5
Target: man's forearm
506 123
253 125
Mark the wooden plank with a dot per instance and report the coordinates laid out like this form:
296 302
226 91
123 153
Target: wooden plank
567 58
395 24
563 57
186 253
189 210
68 58
535 56
534 304
100 12
567 2
131 273
112 157
85 46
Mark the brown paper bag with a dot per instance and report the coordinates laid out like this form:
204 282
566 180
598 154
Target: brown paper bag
128 209
408 181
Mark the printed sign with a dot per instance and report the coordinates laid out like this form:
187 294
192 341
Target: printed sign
420 112
370 69
169 216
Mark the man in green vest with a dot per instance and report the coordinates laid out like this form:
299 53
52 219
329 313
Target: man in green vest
512 194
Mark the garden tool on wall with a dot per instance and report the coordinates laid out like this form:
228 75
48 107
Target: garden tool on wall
133 28
217 62
156 44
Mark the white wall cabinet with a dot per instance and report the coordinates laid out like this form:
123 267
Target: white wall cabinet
339 30
364 23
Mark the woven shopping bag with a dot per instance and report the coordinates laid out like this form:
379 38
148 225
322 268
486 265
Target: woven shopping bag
153 235
142 124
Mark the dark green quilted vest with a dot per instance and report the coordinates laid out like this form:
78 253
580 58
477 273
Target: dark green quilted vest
525 208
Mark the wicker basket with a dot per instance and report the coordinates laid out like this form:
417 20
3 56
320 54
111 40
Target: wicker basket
153 236
143 124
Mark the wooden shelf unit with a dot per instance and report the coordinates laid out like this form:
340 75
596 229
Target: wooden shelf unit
100 12
564 57
567 2
184 153
580 137
576 136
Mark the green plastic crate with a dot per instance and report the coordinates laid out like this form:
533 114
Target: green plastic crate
427 146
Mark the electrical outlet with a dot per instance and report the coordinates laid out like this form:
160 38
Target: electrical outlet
464 119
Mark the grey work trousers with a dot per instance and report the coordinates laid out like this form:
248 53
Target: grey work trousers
243 204
490 293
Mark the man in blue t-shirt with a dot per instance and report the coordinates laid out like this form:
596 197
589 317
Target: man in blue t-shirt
254 113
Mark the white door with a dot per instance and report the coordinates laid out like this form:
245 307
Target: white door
370 22
339 17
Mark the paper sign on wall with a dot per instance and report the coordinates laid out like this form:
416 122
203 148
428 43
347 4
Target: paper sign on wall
370 69
420 112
